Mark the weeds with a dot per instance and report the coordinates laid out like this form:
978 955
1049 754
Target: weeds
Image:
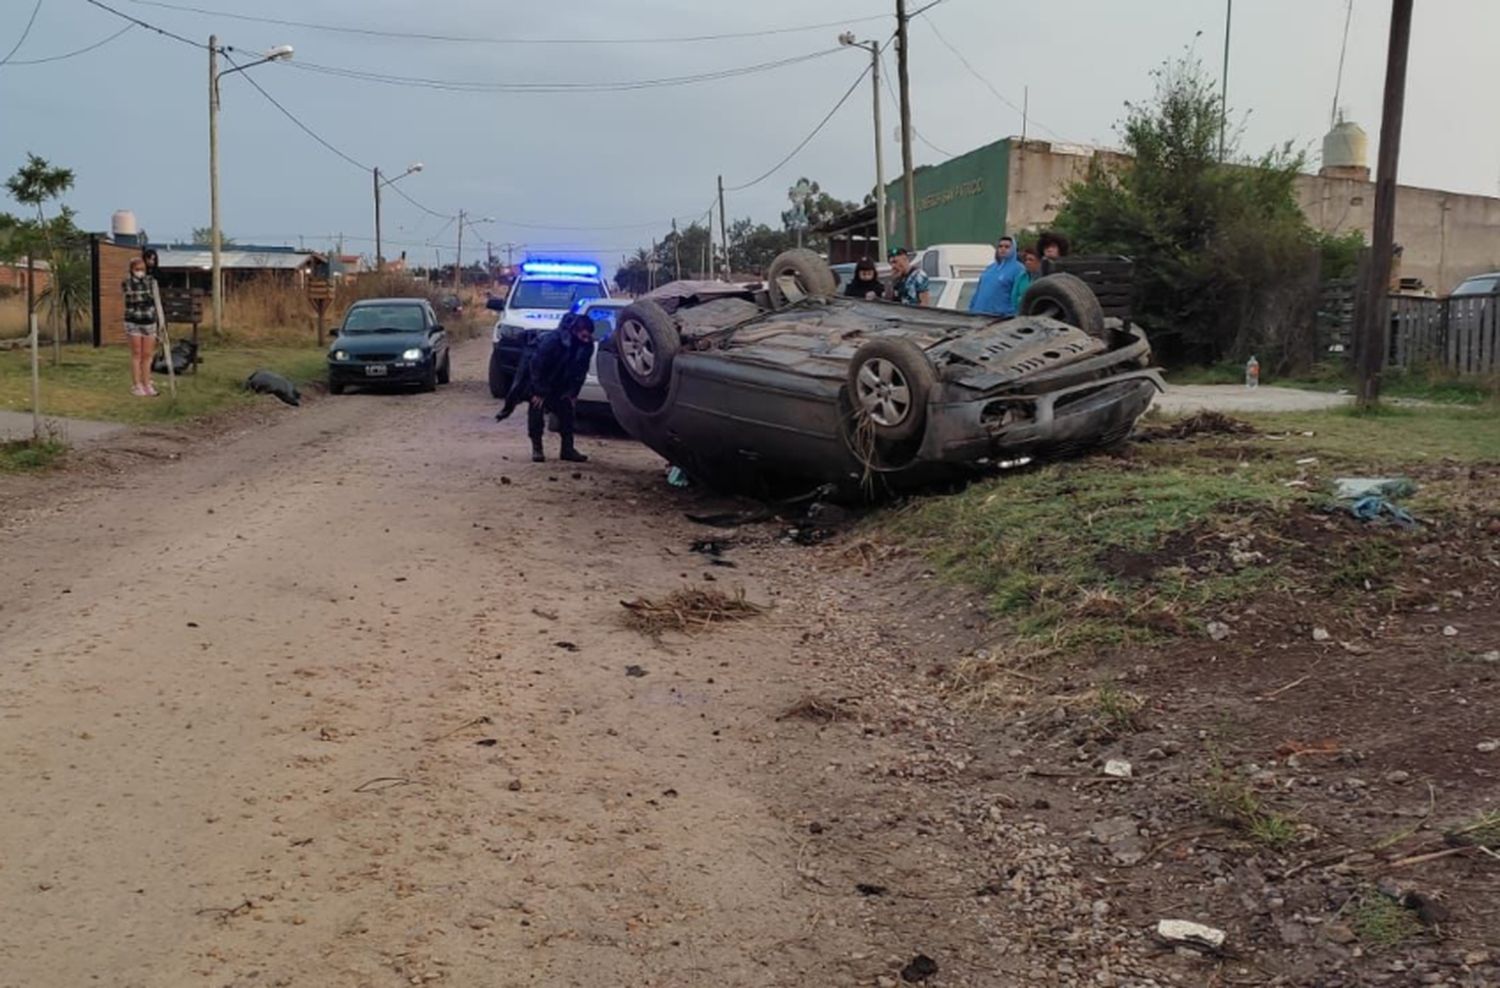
1365 564
27 454
1232 802
1118 712
1482 831
1381 922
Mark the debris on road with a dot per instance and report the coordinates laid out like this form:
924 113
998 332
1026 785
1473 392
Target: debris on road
267 382
816 709
635 672
920 968
1218 630
1187 933
1118 768
1204 423
686 610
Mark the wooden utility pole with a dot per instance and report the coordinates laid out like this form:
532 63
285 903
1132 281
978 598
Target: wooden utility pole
1370 350
1224 80
676 249
724 228
379 258
908 193
215 235
458 259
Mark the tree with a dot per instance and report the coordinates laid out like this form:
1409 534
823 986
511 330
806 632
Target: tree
69 294
820 208
1225 263
35 184
203 236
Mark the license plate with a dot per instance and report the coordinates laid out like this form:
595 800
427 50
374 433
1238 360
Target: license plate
375 370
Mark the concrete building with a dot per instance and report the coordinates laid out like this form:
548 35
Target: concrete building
1014 185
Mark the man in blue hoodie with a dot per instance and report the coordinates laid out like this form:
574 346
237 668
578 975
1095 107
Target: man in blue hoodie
998 281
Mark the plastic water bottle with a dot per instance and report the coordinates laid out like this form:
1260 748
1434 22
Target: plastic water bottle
1252 373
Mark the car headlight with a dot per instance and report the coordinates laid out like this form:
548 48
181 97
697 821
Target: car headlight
341 355
414 353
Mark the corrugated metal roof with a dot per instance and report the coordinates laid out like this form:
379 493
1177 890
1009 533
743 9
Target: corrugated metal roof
175 257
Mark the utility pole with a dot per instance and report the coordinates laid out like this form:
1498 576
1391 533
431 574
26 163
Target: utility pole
379 261
216 283
676 249
1224 82
880 231
724 229
458 259
908 193
1370 351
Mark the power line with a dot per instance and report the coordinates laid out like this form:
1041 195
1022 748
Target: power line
471 39
1338 80
150 27
430 212
806 140
459 85
77 51
976 74
26 33
885 76
293 117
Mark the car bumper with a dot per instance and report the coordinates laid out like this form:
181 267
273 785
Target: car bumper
395 372
1054 423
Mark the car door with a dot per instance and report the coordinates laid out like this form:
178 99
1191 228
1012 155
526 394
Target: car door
437 335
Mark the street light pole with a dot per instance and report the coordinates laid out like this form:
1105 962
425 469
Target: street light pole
216 233
847 38
380 183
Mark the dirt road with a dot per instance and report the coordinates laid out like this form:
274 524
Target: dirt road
344 701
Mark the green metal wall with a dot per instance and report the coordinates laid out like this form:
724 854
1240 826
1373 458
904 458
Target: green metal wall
961 201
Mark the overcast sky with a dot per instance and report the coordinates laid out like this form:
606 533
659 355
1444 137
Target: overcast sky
131 117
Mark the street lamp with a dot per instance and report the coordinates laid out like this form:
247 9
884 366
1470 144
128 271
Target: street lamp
458 259
379 183
873 47
280 53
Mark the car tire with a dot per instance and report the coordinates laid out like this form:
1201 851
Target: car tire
500 381
429 381
890 382
797 274
1066 298
646 341
445 370
335 387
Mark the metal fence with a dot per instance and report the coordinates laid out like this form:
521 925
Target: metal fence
1459 334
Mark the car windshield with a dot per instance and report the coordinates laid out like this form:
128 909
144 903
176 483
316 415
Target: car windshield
1478 286
541 294
384 319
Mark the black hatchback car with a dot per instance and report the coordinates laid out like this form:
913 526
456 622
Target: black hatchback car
389 341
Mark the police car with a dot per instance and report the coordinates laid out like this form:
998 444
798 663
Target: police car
544 293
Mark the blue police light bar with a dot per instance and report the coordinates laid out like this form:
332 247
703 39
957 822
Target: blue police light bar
560 267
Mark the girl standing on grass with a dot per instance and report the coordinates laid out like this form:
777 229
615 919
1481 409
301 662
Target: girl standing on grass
140 326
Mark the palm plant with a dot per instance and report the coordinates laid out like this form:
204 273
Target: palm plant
69 297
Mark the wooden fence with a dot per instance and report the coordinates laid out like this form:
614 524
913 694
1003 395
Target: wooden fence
1460 334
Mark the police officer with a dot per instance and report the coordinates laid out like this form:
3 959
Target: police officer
558 370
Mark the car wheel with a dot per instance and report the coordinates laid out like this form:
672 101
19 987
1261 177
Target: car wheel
890 381
796 274
1066 298
647 341
445 371
429 381
500 380
335 388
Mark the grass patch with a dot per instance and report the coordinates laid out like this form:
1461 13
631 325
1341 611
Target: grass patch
1231 802
1103 552
95 383
1482 831
25 454
1118 712
687 610
1381 922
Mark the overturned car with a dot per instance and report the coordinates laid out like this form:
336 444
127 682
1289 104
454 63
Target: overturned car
765 389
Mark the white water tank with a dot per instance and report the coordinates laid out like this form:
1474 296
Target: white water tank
1346 146
123 225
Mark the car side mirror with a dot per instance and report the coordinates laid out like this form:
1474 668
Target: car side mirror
495 304
435 330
